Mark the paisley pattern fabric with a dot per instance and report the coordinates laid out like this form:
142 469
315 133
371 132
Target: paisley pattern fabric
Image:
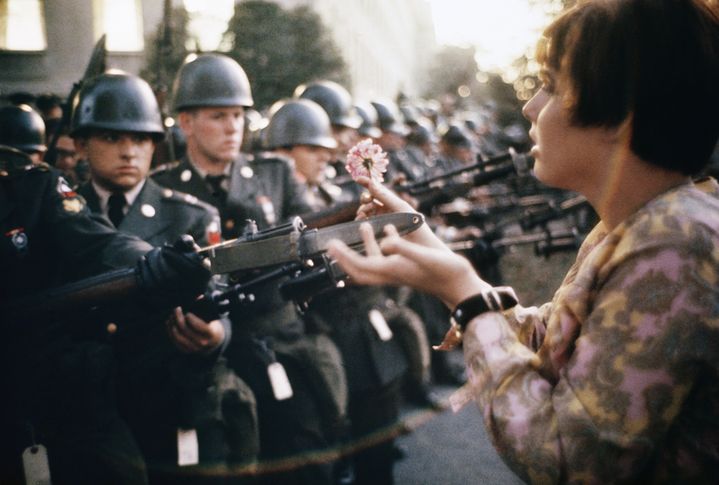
617 379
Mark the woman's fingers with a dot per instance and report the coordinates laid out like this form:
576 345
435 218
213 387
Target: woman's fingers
370 243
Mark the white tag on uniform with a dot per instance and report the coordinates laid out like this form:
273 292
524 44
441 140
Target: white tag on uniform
35 465
380 325
188 449
281 386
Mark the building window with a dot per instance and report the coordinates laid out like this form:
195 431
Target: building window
22 25
121 21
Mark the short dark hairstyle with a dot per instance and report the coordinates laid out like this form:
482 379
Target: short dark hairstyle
652 62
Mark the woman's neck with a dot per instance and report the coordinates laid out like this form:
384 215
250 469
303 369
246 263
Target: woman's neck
628 185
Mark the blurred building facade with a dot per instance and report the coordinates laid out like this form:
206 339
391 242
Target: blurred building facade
45 45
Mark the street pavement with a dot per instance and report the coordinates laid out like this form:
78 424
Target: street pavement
447 448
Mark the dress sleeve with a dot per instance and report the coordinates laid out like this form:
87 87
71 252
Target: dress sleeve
630 366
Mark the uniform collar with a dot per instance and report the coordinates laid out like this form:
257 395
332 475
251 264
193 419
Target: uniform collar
104 195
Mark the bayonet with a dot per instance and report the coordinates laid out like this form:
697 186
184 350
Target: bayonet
298 243
95 66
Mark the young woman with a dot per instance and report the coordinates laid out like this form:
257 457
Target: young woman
616 379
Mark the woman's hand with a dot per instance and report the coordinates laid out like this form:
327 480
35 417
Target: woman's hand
191 334
382 200
396 261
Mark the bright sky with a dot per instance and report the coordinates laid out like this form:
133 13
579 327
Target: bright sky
501 30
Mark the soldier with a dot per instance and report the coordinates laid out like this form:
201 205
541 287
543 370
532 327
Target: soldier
58 412
210 95
300 131
456 148
368 128
402 168
116 125
373 359
21 127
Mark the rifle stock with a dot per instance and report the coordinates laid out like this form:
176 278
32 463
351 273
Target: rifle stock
80 296
336 214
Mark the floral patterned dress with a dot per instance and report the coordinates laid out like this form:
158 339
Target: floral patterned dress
617 379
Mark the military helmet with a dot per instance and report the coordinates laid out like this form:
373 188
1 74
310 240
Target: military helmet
22 128
211 80
334 99
299 122
421 134
457 136
388 117
369 121
117 101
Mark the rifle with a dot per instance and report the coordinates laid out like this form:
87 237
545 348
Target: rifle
553 211
489 170
95 66
335 214
255 258
545 243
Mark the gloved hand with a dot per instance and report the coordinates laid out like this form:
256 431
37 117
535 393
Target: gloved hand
171 276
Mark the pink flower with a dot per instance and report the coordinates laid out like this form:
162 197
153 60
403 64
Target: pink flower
366 159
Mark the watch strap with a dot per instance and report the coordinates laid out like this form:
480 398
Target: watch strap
496 299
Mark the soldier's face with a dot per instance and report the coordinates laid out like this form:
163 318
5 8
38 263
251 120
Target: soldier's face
346 138
118 160
214 135
311 162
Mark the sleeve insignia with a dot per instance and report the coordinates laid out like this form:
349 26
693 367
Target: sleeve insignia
64 189
72 205
213 233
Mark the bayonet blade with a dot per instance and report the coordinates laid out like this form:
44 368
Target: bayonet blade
304 245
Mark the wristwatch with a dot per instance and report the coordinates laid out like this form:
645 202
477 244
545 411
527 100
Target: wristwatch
496 299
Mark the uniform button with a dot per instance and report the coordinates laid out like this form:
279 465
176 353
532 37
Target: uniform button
186 175
247 172
147 210
167 193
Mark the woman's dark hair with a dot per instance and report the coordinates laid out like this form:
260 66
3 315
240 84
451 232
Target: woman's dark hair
654 63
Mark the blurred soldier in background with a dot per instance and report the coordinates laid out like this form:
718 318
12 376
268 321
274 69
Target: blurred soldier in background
187 391
422 146
401 167
211 93
336 101
299 129
375 361
456 148
22 128
369 127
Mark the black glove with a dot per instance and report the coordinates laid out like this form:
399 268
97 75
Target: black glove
171 276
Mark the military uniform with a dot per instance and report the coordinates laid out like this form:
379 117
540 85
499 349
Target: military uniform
181 391
57 386
374 361
259 189
269 330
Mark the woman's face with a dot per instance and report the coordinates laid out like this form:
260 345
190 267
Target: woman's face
566 156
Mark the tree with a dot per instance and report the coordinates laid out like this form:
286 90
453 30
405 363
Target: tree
451 68
280 49
167 51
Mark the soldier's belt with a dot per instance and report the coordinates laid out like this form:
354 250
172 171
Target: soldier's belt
295 243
